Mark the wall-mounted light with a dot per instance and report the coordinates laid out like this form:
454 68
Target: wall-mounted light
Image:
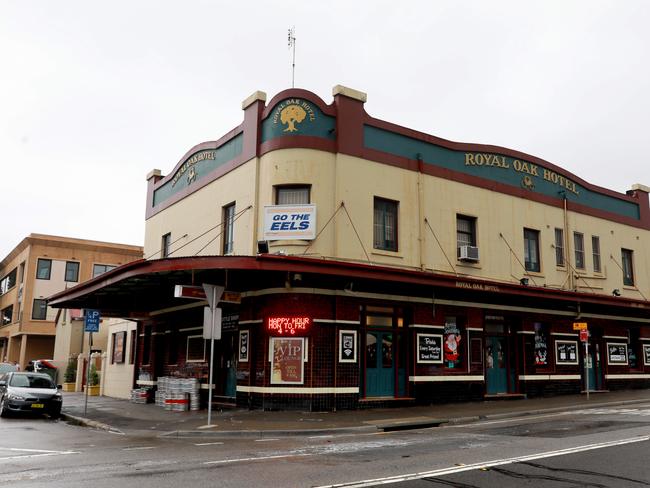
616 292
262 247
524 281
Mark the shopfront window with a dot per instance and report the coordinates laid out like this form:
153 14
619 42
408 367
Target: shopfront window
541 345
453 343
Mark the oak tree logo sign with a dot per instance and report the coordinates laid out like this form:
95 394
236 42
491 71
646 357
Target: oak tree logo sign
292 115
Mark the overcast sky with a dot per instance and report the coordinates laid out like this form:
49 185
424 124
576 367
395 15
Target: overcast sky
94 95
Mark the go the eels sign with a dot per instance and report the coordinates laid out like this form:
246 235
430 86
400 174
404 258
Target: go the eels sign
286 222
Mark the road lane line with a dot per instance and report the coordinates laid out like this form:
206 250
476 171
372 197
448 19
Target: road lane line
266 440
141 448
209 444
260 458
486 464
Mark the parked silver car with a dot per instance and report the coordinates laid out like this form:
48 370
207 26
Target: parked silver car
29 393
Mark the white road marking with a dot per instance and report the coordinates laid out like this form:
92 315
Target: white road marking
209 444
487 464
330 436
31 453
141 448
260 458
266 440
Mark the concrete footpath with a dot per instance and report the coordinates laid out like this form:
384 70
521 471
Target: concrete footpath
122 416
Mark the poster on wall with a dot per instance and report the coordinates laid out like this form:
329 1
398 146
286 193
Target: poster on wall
646 354
347 346
429 348
566 352
118 346
287 366
287 222
541 348
243 346
616 353
452 342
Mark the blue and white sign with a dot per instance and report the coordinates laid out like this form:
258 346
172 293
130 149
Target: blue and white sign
92 320
287 222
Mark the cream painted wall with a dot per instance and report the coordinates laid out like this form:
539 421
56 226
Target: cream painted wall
201 211
336 178
118 379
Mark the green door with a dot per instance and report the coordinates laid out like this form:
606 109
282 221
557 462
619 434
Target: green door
496 368
380 368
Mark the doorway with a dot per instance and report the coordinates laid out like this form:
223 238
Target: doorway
385 359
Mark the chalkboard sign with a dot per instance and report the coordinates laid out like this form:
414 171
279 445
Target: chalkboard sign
646 354
429 348
616 353
566 352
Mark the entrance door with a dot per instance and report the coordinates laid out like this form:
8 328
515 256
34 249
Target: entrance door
380 367
496 367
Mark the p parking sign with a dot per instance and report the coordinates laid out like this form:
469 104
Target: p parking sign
92 320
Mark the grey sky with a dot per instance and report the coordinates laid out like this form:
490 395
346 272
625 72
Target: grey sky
93 95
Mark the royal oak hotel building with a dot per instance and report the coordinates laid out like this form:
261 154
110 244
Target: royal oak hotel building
368 264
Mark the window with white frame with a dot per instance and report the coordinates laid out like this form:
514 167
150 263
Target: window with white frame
228 213
595 253
559 247
579 247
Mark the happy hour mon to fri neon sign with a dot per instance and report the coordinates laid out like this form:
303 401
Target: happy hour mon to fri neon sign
287 325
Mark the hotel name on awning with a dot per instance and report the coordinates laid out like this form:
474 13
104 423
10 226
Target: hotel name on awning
528 170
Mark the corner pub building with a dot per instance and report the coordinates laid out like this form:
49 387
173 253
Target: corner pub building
367 264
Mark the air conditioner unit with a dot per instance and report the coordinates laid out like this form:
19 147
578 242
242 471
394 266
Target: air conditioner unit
468 253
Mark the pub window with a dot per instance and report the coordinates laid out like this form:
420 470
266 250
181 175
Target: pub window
8 282
146 345
531 250
465 232
195 349
99 269
39 309
595 253
43 269
385 224
71 271
292 195
628 268
634 348
228 213
559 247
6 315
132 347
541 345
165 245
579 246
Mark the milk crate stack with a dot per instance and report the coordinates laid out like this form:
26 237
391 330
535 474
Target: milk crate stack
140 395
178 394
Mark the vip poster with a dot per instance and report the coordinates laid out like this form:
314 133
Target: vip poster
287 366
616 353
566 352
429 348
347 346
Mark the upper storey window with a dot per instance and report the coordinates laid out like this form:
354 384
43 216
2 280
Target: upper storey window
385 224
165 245
531 250
628 267
228 244
8 282
579 245
43 269
466 238
559 247
99 269
292 195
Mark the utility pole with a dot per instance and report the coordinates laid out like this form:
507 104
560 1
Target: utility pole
292 44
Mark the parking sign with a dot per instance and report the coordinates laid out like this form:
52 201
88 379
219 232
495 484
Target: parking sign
91 320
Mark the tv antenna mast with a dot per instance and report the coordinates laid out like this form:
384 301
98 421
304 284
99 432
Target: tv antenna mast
292 44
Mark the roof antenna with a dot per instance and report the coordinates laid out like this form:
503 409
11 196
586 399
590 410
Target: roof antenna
292 44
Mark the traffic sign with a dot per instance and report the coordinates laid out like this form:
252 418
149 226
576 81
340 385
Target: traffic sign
92 320
579 325
584 335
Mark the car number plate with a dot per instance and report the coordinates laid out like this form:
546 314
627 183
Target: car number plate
37 405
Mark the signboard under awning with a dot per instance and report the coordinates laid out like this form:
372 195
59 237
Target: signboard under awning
198 293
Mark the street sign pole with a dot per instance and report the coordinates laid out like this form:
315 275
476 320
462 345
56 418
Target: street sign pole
90 346
213 293
586 365
92 319
212 314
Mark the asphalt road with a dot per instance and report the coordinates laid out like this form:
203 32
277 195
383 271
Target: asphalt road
599 448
